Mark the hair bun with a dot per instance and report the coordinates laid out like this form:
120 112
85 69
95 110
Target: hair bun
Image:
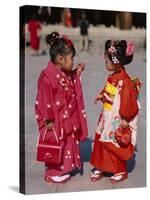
108 44
120 51
52 38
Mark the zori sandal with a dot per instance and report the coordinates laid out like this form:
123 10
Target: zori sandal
118 177
57 179
96 175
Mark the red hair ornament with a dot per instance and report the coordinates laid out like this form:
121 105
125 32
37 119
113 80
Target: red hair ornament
68 41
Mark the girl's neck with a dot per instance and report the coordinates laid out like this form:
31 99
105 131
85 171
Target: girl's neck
59 67
118 69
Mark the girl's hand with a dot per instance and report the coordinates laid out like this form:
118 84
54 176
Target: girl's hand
80 68
49 124
98 98
124 124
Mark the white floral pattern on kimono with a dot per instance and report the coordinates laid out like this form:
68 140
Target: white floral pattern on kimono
110 120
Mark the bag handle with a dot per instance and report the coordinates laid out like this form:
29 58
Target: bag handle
45 132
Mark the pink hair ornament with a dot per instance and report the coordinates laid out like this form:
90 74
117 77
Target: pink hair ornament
130 49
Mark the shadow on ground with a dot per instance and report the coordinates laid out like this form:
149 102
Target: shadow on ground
86 150
131 164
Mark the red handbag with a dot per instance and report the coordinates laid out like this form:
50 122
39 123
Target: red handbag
123 136
49 153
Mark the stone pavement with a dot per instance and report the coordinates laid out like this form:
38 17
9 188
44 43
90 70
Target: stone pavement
93 79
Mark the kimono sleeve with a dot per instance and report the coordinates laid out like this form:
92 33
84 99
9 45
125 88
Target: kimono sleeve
128 101
43 106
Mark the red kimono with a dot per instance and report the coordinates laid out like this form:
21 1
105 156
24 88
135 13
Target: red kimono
60 100
68 18
33 28
120 102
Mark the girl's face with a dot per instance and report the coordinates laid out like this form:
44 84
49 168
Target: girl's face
109 65
66 62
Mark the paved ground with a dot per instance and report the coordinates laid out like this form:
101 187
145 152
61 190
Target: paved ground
93 80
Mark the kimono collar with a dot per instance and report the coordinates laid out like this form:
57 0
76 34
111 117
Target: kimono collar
117 76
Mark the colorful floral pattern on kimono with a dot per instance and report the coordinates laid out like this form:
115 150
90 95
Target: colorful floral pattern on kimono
110 117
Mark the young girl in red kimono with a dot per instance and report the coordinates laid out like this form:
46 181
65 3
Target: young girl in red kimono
68 17
59 106
34 28
119 113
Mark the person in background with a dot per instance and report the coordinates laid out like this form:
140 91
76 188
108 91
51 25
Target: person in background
34 28
84 40
67 17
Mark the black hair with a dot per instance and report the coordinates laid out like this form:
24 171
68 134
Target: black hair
59 46
120 51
